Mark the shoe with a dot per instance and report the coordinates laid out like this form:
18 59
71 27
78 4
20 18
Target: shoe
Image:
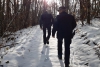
66 66
47 42
59 57
44 43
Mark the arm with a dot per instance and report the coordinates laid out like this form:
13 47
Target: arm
41 22
52 19
55 24
73 23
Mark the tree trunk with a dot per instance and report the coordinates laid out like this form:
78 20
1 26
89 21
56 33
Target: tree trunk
62 2
88 12
67 5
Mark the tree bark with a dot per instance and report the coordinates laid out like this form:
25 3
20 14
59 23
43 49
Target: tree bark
88 12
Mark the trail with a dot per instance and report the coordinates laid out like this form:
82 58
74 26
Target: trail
31 52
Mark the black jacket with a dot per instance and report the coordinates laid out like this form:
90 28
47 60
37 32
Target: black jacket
46 20
64 25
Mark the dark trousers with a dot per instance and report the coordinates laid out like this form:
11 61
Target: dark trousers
67 42
46 38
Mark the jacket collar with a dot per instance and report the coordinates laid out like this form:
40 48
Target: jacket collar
63 13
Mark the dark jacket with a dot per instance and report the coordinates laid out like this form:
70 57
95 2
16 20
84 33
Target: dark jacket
64 25
46 20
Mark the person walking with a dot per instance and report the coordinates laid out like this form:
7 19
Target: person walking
46 22
64 25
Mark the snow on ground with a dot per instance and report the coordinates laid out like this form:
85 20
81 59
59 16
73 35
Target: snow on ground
30 51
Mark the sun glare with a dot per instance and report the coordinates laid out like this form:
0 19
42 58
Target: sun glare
49 1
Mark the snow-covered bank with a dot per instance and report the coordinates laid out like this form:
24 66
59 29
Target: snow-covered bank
86 45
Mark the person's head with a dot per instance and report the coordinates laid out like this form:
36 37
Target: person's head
44 11
62 9
49 11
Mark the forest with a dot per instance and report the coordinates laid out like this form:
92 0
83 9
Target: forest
16 15
19 14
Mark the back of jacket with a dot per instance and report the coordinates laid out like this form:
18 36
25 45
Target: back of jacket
64 25
46 20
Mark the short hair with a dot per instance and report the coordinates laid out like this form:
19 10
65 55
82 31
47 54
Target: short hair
62 8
